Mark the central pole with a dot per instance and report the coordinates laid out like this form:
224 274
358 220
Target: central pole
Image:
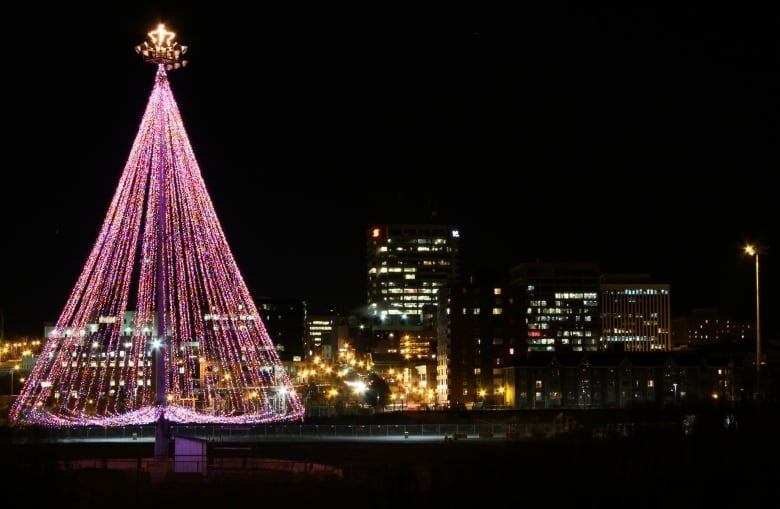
161 434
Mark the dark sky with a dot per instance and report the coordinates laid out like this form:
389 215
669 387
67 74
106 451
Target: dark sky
642 139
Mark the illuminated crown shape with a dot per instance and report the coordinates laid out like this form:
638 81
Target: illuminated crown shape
161 49
193 349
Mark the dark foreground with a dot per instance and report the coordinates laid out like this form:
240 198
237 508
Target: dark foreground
736 470
612 459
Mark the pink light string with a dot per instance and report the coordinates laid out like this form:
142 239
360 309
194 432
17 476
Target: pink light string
96 367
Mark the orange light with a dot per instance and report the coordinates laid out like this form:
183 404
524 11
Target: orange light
750 250
375 232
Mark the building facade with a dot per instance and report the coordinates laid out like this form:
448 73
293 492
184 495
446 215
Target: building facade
611 380
285 320
708 327
321 335
561 304
480 329
407 266
635 316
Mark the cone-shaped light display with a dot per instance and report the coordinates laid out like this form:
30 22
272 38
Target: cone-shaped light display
160 321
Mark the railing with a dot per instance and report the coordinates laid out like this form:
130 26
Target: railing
222 433
158 468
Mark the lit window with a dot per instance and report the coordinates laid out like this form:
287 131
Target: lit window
476 311
538 384
496 291
498 311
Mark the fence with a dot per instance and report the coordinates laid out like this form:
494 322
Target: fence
220 433
158 469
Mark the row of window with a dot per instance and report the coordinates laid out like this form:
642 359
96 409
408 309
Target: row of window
637 291
419 249
569 295
477 311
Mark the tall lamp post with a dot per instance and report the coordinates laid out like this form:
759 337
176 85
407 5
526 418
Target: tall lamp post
753 251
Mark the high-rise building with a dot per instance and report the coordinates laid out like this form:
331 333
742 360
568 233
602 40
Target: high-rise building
635 314
407 265
285 320
561 305
480 329
708 327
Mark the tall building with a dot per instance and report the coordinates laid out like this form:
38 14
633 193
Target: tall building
285 320
561 305
407 265
635 314
709 327
480 329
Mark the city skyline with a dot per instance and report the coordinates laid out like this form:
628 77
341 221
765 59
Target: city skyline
533 150
351 257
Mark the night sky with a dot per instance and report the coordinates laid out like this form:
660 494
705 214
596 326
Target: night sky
644 140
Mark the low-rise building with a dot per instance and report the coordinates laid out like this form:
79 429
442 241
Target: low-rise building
613 380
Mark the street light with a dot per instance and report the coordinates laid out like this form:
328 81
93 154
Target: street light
753 251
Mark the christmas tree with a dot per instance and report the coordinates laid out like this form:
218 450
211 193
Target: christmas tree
160 324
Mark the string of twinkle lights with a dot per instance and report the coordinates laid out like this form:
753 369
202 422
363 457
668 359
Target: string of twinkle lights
161 245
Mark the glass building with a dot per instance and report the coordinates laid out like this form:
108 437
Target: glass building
407 265
562 311
635 316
